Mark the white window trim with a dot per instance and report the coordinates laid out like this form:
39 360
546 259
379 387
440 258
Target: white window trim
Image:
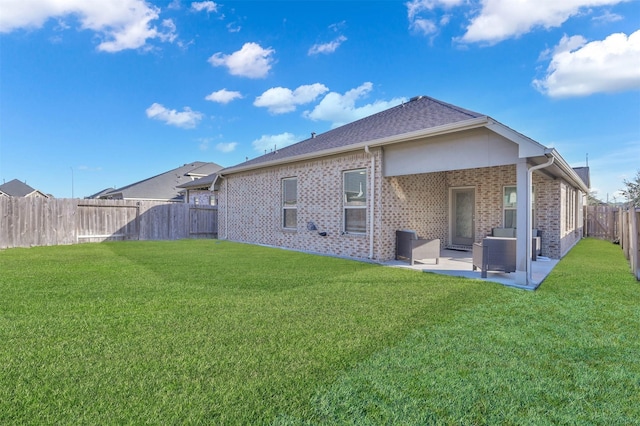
346 207
533 205
286 207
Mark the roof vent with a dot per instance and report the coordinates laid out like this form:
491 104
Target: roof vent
416 98
313 135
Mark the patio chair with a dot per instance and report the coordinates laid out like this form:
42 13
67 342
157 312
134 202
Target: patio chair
511 233
494 254
413 248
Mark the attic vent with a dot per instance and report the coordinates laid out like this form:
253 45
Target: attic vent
313 135
415 98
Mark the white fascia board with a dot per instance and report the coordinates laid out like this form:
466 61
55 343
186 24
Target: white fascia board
218 178
433 131
568 171
527 147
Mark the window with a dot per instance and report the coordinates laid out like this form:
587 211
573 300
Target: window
570 209
510 207
290 203
355 201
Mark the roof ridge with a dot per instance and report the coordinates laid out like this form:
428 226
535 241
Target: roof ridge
455 107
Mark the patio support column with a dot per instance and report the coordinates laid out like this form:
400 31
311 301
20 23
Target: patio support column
523 231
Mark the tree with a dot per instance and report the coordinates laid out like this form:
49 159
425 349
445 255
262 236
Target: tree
592 199
632 190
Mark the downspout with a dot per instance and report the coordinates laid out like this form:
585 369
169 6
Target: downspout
530 207
372 191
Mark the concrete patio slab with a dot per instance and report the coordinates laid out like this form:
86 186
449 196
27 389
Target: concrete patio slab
460 264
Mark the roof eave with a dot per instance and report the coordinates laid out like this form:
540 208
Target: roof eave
568 171
390 140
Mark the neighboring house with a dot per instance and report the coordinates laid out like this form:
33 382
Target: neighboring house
100 193
200 191
163 187
441 170
16 188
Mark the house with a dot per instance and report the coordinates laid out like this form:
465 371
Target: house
426 165
16 188
162 187
200 191
100 193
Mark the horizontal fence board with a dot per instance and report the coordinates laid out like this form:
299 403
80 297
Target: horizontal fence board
27 222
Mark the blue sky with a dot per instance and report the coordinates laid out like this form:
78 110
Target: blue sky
105 93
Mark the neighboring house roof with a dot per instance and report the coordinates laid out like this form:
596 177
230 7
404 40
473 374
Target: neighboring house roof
202 183
584 174
421 117
165 185
16 188
99 193
204 170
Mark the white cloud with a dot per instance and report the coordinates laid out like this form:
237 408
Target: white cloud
607 17
121 25
233 27
269 142
175 5
204 143
223 96
502 19
578 68
280 100
251 61
327 48
186 119
428 26
207 6
340 109
424 26
415 7
226 146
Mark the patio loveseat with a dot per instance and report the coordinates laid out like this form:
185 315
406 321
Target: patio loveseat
410 247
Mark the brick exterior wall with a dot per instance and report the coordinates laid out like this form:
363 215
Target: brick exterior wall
255 209
419 202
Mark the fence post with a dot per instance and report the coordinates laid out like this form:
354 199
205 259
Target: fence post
634 249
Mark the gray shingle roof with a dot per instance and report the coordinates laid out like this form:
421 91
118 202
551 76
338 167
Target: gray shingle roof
200 183
421 113
16 188
165 185
584 174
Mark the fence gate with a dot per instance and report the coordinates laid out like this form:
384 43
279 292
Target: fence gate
203 221
602 222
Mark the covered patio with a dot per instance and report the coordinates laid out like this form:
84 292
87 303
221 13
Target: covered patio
460 264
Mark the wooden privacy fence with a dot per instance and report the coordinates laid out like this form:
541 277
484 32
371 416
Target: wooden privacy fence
629 231
602 222
619 225
26 222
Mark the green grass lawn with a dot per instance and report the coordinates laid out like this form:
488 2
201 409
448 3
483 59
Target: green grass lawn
214 332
